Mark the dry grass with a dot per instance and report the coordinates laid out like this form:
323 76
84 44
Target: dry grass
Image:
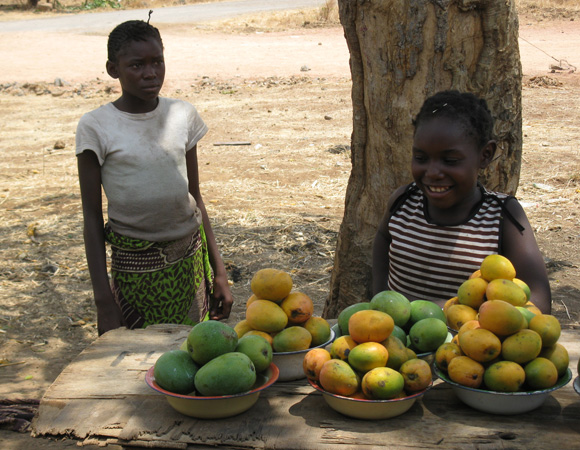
325 16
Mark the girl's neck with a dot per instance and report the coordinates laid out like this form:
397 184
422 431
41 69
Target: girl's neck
135 106
458 213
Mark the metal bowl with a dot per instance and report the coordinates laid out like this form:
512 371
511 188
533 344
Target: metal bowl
368 409
504 403
577 385
216 407
290 363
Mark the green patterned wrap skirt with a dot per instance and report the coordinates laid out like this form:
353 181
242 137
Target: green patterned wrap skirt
161 282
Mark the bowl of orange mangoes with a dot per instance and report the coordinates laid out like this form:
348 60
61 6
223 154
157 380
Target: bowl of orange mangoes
506 360
368 373
285 317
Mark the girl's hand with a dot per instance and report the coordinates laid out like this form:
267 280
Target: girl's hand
109 316
221 300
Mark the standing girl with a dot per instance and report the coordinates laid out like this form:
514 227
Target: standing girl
438 229
142 149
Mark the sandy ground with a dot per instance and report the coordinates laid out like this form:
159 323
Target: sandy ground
276 202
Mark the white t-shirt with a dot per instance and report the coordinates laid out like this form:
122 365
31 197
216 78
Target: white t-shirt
143 167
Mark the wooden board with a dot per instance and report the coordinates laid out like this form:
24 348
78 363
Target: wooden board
102 397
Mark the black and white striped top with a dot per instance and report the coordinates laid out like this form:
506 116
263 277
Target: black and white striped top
429 261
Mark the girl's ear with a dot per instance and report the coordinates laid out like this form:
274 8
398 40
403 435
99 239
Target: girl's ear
487 154
112 69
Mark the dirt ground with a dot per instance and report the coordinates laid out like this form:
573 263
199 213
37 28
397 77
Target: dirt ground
276 199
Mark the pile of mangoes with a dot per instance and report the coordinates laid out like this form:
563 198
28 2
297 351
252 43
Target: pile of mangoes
494 280
282 316
418 324
213 361
504 343
369 362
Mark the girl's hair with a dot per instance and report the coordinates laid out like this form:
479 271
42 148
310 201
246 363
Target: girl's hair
464 107
127 32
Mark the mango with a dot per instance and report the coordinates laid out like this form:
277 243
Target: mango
271 284
558 354
506 290
367 356
480 345
341 347
497 266
528 314
175 372
548 327
524 286
337 377
521 347
422 309
319 328
398 332
469 325
541 373
264 315
258 349
209 339
465 371
345 314
428 334
370 325
457 315
449 303
313 362
228 374
397 352
472 292
265 335
416 374
501 318
382 383
298 307
242 327
394 304
504 376
292 339
445 353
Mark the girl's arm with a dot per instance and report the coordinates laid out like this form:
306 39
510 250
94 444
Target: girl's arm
108 313
381 245
222 299
522 250
381 256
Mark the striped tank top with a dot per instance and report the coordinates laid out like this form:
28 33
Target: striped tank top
429 261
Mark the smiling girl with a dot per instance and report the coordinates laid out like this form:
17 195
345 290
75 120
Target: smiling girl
142 150
438 229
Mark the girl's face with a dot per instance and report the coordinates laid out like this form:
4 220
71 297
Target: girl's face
445 165
140 68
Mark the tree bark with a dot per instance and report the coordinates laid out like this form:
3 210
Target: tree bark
401 52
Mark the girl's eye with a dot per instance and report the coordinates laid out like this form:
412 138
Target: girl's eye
420 158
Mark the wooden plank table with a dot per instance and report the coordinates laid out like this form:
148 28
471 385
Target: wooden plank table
101 397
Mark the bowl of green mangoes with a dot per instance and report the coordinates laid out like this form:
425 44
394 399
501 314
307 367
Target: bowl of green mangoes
216 407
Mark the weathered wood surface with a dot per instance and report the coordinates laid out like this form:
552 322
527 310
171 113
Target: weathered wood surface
102 397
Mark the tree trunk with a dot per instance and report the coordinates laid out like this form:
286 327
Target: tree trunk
401 52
